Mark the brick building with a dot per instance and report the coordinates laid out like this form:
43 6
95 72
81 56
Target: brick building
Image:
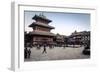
41 30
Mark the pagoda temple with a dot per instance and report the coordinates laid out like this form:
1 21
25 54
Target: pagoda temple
41 30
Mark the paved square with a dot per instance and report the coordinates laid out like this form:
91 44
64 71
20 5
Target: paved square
57 53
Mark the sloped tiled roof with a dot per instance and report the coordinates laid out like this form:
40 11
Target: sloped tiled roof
81 33
44 33
41 24
41 17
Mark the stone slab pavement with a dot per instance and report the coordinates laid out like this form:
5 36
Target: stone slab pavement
57 53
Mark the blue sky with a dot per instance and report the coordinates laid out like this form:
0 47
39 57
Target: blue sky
64 23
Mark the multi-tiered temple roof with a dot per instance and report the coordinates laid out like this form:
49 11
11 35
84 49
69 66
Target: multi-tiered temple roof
42 17
41 25
41 22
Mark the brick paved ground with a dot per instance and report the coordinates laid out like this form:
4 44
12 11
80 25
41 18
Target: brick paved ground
57 53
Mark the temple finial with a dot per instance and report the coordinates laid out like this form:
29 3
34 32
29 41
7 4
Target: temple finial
42 15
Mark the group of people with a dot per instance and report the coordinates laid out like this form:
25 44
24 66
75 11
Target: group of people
27 53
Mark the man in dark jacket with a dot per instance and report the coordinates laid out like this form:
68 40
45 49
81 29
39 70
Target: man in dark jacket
44 49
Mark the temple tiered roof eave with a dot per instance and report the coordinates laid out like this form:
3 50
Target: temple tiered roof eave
40 17
41 24
42 33
84 33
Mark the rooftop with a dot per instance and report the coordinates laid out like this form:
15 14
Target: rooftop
81 33
42 33
41 16
41 24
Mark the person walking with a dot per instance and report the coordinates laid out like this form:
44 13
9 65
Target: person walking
25 53
44 49
29 53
